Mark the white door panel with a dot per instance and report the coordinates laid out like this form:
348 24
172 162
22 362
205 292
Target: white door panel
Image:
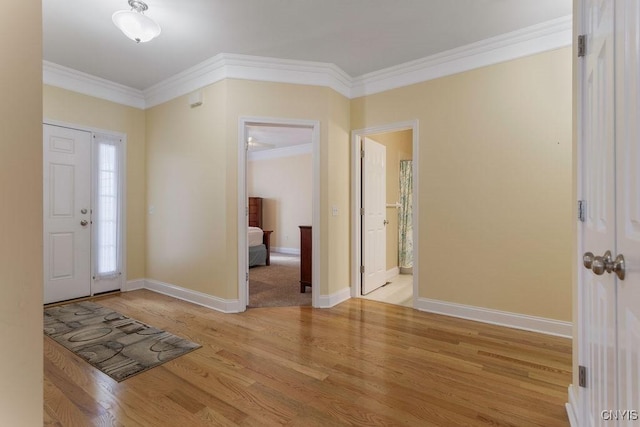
374 194
628 202
67 194
598 232
609 316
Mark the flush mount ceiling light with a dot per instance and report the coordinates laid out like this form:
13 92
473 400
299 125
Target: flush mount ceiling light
134 24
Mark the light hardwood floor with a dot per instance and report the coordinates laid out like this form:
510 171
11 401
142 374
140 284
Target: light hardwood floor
360 363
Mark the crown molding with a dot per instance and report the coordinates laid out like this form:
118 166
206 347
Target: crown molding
527 41
87 84
274 153
245 67
535 39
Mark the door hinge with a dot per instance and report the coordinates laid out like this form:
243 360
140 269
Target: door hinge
361 211
582 45
582 376
582 207
246 211
362 269
246 277
362 154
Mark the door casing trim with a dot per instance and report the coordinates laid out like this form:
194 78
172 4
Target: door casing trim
356 192
243 267
123 136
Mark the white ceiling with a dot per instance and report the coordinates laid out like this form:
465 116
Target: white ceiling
359 36
278 136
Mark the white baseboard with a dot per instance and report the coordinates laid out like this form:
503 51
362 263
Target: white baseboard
328 301
288 251
496 317
392 273
195 297
573 407
215 303
133 285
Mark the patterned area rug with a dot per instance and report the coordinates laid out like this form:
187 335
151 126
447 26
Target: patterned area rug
115 344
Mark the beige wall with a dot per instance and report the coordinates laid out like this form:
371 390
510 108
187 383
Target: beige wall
279 100
21 214
77 109
399 147
192 158
285 183
187 191
495 182
335 179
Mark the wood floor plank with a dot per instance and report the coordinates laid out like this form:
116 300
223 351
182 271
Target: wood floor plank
359 363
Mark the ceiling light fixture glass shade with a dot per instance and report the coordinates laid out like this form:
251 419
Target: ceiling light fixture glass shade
134 24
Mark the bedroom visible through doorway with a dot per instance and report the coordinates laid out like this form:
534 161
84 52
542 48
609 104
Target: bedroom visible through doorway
279 185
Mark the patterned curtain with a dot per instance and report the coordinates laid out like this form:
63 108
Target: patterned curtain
405 240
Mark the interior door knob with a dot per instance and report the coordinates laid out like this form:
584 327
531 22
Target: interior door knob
385 222
618 266
600 264
84 223
587 259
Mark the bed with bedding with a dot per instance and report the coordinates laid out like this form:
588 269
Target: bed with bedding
258 238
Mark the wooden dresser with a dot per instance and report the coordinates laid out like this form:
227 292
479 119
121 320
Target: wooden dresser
305 257
255 212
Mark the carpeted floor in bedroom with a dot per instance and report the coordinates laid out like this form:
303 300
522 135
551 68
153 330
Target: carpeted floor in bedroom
277 285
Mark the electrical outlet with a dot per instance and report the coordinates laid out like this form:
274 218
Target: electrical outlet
334 211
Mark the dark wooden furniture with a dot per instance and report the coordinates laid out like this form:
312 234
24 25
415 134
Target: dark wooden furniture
255 220
255 212
305 257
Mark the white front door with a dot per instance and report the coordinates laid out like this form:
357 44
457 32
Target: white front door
628 204
609 313
374 195
67 213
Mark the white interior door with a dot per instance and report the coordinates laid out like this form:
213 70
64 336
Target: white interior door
374 236
628 204
598 230
67 214
610 151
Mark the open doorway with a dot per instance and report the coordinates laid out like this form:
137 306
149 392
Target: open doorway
385 202
278 180
279 188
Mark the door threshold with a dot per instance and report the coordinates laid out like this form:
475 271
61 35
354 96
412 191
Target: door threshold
87 298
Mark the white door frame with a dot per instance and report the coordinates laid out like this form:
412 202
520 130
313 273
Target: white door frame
243 263
356 191
123 224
